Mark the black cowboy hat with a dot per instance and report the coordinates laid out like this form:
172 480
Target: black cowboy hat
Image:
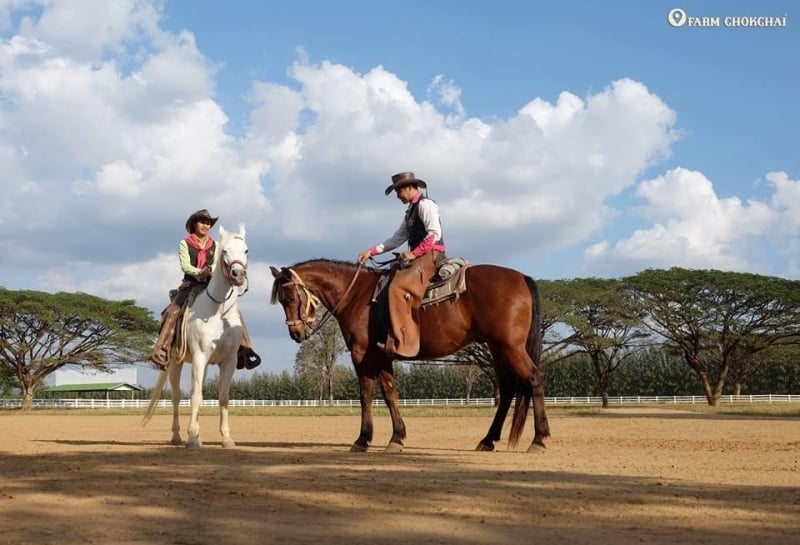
403 179
197 216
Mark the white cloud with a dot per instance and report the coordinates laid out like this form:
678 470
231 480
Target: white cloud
786 200
548 169
693 227
85 29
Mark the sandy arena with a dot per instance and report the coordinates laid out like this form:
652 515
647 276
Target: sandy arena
626 476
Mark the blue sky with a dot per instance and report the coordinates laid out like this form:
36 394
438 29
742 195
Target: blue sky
564 139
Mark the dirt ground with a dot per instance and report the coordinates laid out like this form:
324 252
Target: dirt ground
625 476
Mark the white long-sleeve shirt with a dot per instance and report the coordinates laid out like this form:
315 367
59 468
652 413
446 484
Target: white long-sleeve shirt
428 212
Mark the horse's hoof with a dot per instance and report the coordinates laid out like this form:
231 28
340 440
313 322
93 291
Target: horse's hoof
393 447
176 441
194 444
483 447
359 448
228 443
537 448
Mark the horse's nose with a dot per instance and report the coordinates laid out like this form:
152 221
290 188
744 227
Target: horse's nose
239 273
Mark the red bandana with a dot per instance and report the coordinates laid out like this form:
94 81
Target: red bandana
202 250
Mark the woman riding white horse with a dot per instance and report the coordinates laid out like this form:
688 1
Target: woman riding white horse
212 333
197 254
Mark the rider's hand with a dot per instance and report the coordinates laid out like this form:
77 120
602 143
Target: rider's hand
363 256
408 256
205 274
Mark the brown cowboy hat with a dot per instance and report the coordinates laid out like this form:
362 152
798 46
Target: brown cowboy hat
197 216
403 179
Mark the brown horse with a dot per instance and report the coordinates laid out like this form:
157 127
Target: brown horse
500 307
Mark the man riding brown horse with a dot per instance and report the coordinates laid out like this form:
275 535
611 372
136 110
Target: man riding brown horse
422 229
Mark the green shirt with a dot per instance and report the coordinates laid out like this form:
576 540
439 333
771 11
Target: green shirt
186 260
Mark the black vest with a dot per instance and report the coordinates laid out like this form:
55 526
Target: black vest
193 259
416 228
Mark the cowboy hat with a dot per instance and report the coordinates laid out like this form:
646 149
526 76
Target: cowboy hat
197 216
403 179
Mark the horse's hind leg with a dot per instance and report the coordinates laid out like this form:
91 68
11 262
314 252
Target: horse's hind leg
541 427
390 396
506 391
175 394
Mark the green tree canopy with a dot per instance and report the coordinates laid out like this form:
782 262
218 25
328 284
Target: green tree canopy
42 332
598 321
718 320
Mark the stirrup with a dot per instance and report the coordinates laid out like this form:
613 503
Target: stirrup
389 346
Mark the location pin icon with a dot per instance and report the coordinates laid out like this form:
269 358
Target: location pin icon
676 17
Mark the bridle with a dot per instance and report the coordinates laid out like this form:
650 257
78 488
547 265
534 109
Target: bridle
307 314
226 274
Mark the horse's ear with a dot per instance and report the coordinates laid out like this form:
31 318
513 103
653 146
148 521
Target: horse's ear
222 231
241 230
275 272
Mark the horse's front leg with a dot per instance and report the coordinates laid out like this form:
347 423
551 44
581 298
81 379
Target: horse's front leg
391 396
366 386
225 376
198 373
175 394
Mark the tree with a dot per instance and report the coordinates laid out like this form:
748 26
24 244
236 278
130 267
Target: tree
315 361
42 332
753 366
718 320
599 322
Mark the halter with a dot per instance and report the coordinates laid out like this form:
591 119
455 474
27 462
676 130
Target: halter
312 302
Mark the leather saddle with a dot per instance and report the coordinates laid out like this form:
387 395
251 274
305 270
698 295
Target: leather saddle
450 282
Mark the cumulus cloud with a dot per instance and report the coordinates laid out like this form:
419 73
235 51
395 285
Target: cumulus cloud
693 227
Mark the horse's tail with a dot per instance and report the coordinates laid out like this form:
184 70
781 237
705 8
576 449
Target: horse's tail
534 348
159 387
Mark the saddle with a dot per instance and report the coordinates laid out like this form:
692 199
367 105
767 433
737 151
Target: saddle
450 282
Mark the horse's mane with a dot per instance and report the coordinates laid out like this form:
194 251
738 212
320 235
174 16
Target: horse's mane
324 261
336 263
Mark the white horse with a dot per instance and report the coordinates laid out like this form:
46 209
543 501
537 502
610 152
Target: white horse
213 334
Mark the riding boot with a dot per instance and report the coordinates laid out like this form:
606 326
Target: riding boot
161 351
246 357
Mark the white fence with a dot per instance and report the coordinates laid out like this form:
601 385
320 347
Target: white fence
485 402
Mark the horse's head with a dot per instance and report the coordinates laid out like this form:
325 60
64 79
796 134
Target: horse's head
233 256
299 304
